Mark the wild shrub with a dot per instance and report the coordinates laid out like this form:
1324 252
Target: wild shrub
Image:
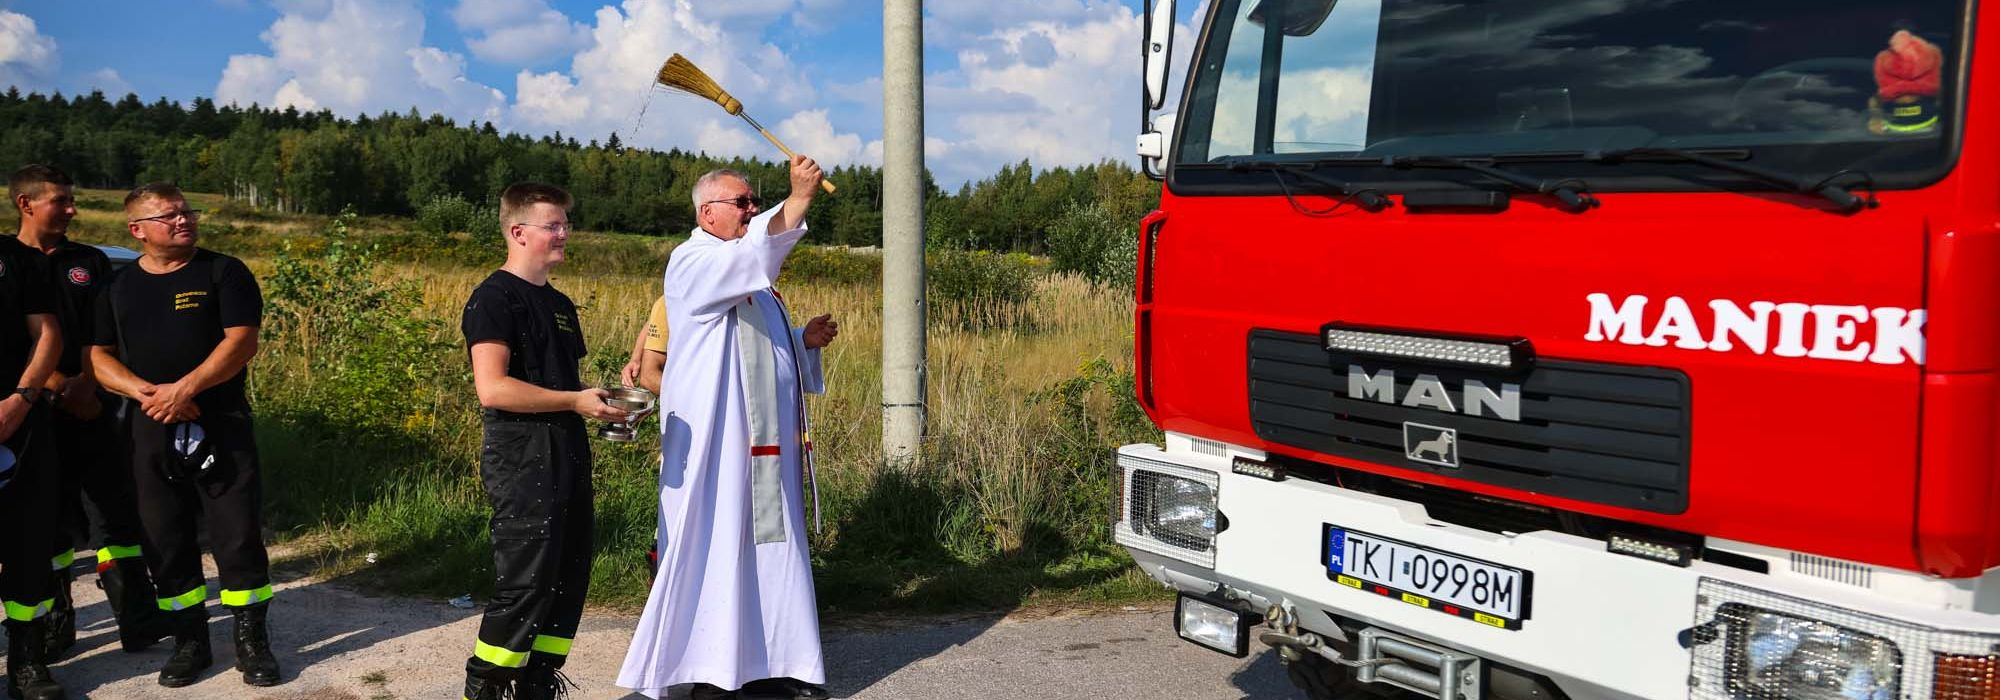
981 289
238 210
1087 240
448 214
831 266
1118 263
1092 413
356 348
95 204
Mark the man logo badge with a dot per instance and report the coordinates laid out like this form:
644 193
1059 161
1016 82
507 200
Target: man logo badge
1431 444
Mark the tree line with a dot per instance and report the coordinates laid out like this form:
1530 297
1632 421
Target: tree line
396 164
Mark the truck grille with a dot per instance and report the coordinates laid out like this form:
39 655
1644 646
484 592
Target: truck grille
1600 433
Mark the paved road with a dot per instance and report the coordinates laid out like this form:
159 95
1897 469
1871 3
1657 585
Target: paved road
338 644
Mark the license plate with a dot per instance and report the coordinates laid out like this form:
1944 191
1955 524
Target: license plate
1428 578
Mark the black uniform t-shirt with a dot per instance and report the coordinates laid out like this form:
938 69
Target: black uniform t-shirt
76 273
24 291
165 325
538 324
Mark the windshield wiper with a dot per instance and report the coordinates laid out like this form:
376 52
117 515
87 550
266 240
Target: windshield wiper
1368 198
1571 192
1842 199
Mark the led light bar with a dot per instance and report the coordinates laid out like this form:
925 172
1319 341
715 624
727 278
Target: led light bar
1509 354
1251 467
1664 552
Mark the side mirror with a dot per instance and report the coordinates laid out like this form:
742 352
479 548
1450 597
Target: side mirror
1159 38
1158 52
1296 17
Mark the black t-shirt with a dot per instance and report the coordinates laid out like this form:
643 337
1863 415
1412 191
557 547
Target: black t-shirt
24 291
538 324
76 273
165 325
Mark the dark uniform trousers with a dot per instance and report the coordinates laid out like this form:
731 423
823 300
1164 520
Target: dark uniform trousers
93 463
27 514
230 492
536 471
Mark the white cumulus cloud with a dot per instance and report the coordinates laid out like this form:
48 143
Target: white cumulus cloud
356 56
108 81
518 32
552 98
249 79
816 16
1055 83
27 57
809 132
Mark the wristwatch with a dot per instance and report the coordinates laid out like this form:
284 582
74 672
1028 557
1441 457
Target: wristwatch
29 394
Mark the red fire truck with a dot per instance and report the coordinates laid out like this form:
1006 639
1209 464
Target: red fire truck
1541 349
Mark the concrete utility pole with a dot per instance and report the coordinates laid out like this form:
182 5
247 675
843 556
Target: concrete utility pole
903 313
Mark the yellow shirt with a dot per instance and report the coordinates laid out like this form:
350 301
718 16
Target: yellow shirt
656 327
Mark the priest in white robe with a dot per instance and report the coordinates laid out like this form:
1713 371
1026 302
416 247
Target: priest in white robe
732 607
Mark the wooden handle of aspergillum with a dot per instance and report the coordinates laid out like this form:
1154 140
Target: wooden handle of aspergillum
824 183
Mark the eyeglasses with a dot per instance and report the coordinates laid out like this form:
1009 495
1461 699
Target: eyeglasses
191 215
552 228
740 201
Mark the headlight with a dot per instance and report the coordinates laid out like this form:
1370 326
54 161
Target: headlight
1753 644
1214 624
1775 655
1178 511
1169 510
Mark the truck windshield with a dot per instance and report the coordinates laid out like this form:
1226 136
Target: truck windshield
1806 86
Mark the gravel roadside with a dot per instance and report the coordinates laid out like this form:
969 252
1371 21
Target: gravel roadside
337 643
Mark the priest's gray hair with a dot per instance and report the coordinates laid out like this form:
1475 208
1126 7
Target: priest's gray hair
708 181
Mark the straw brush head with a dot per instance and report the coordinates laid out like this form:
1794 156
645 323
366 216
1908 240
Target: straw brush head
682 75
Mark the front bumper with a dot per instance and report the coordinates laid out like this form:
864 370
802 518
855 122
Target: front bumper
1601 625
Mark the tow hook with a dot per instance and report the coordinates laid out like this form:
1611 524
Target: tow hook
1388 658
1293 647
1291 642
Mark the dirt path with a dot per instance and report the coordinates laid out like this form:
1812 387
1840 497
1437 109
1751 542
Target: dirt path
338 644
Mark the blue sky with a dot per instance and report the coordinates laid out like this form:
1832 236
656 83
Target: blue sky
1052 81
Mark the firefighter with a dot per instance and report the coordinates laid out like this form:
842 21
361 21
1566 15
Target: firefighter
175 333
524 340
82 427
30 340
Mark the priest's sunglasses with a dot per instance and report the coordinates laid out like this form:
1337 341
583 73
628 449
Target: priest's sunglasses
191 215
740 201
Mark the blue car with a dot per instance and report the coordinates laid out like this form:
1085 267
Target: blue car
120 255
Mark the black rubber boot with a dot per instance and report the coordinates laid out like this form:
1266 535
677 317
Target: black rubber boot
253 645
477 688
783 689
542 682
192 654
61 620
704 691
129 589
28 662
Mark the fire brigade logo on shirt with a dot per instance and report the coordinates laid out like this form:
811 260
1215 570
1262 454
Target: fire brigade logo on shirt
79 276
1430 444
